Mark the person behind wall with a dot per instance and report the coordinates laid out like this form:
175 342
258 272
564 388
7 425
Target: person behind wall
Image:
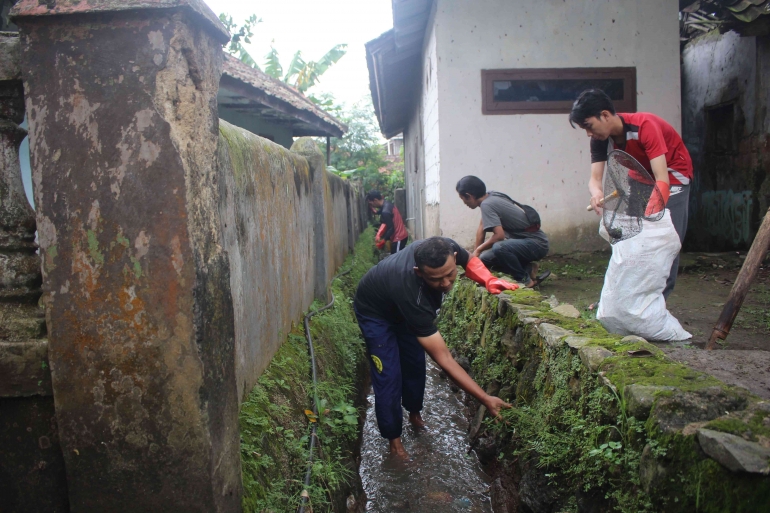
392 228
651 141
517 241
396 304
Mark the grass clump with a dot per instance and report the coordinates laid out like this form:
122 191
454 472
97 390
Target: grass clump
274 424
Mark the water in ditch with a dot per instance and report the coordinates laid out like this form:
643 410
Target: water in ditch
441 476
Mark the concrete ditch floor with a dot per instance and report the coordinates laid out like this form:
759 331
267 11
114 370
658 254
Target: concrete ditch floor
704 281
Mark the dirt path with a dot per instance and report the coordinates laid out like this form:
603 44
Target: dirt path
701 289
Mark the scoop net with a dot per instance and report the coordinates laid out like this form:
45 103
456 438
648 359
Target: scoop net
628 188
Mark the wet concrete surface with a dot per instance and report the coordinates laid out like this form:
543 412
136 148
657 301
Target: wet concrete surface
440 476
746 369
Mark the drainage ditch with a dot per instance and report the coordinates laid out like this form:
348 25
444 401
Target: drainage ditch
441 475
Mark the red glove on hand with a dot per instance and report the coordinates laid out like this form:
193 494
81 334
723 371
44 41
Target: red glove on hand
380 244
658 199
382 229
476 271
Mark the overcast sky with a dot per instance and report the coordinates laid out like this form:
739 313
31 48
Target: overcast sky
314 27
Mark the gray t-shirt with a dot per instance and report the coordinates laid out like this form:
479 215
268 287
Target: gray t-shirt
500 211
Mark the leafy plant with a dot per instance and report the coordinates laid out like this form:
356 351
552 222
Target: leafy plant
300 74
240 34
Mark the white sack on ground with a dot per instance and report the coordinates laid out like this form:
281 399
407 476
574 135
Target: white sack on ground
632 297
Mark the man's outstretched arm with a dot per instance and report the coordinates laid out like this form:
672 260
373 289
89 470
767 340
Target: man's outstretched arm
435 346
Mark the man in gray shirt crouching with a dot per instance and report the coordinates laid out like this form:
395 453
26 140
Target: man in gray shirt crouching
517 241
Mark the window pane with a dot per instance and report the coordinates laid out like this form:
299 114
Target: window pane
554 90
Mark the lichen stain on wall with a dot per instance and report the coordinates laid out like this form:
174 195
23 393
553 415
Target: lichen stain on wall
267 214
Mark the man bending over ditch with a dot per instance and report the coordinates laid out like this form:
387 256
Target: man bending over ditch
396 304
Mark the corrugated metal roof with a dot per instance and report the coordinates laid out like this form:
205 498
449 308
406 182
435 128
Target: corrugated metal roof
748 17
394 62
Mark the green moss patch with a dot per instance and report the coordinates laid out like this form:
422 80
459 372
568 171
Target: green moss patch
656 371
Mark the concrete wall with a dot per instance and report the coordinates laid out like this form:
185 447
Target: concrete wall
731 189
282 248
268 200
421 149
267 215
539 159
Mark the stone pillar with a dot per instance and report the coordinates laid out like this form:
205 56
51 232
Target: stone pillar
307 148
121 102
31 465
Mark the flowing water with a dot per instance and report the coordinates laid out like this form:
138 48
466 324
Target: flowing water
441 476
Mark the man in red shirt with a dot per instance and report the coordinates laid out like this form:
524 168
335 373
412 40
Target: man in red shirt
392 227
651 141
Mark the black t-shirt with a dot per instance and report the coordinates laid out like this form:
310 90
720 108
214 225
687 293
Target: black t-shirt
392 291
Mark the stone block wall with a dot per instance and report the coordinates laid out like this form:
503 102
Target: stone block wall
601 422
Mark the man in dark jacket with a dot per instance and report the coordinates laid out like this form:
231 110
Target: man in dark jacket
396 304
392 228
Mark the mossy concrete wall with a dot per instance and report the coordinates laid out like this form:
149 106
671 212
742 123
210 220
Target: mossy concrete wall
600 422
287 226
267 220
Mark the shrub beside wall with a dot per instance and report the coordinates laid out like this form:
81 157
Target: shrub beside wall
273 422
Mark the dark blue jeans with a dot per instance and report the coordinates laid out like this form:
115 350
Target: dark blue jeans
514 257
397 367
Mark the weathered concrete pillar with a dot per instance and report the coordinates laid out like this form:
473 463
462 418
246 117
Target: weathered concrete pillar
31 465
307 148
121 101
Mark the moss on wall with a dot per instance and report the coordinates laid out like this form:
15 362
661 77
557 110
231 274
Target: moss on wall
579 439
273 422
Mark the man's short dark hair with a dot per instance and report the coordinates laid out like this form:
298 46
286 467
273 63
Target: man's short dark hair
373 195
433 252
471 185
589 104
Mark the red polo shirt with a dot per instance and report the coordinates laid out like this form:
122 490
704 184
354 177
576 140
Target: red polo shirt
648 136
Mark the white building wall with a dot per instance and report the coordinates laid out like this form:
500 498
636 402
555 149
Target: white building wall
422 162
430 120
540 159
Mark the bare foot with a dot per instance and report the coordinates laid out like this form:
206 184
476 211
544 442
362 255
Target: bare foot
397 449
416 420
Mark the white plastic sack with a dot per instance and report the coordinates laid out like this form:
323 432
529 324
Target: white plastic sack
632 300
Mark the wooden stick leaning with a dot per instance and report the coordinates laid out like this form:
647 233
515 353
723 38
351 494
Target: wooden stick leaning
742 283
608 197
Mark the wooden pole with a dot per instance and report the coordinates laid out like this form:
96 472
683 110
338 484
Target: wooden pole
328 151
741 286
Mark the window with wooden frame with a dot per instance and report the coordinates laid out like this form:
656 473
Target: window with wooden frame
553 90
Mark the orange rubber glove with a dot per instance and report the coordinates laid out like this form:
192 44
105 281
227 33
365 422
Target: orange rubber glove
476 271
658 199
382 229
